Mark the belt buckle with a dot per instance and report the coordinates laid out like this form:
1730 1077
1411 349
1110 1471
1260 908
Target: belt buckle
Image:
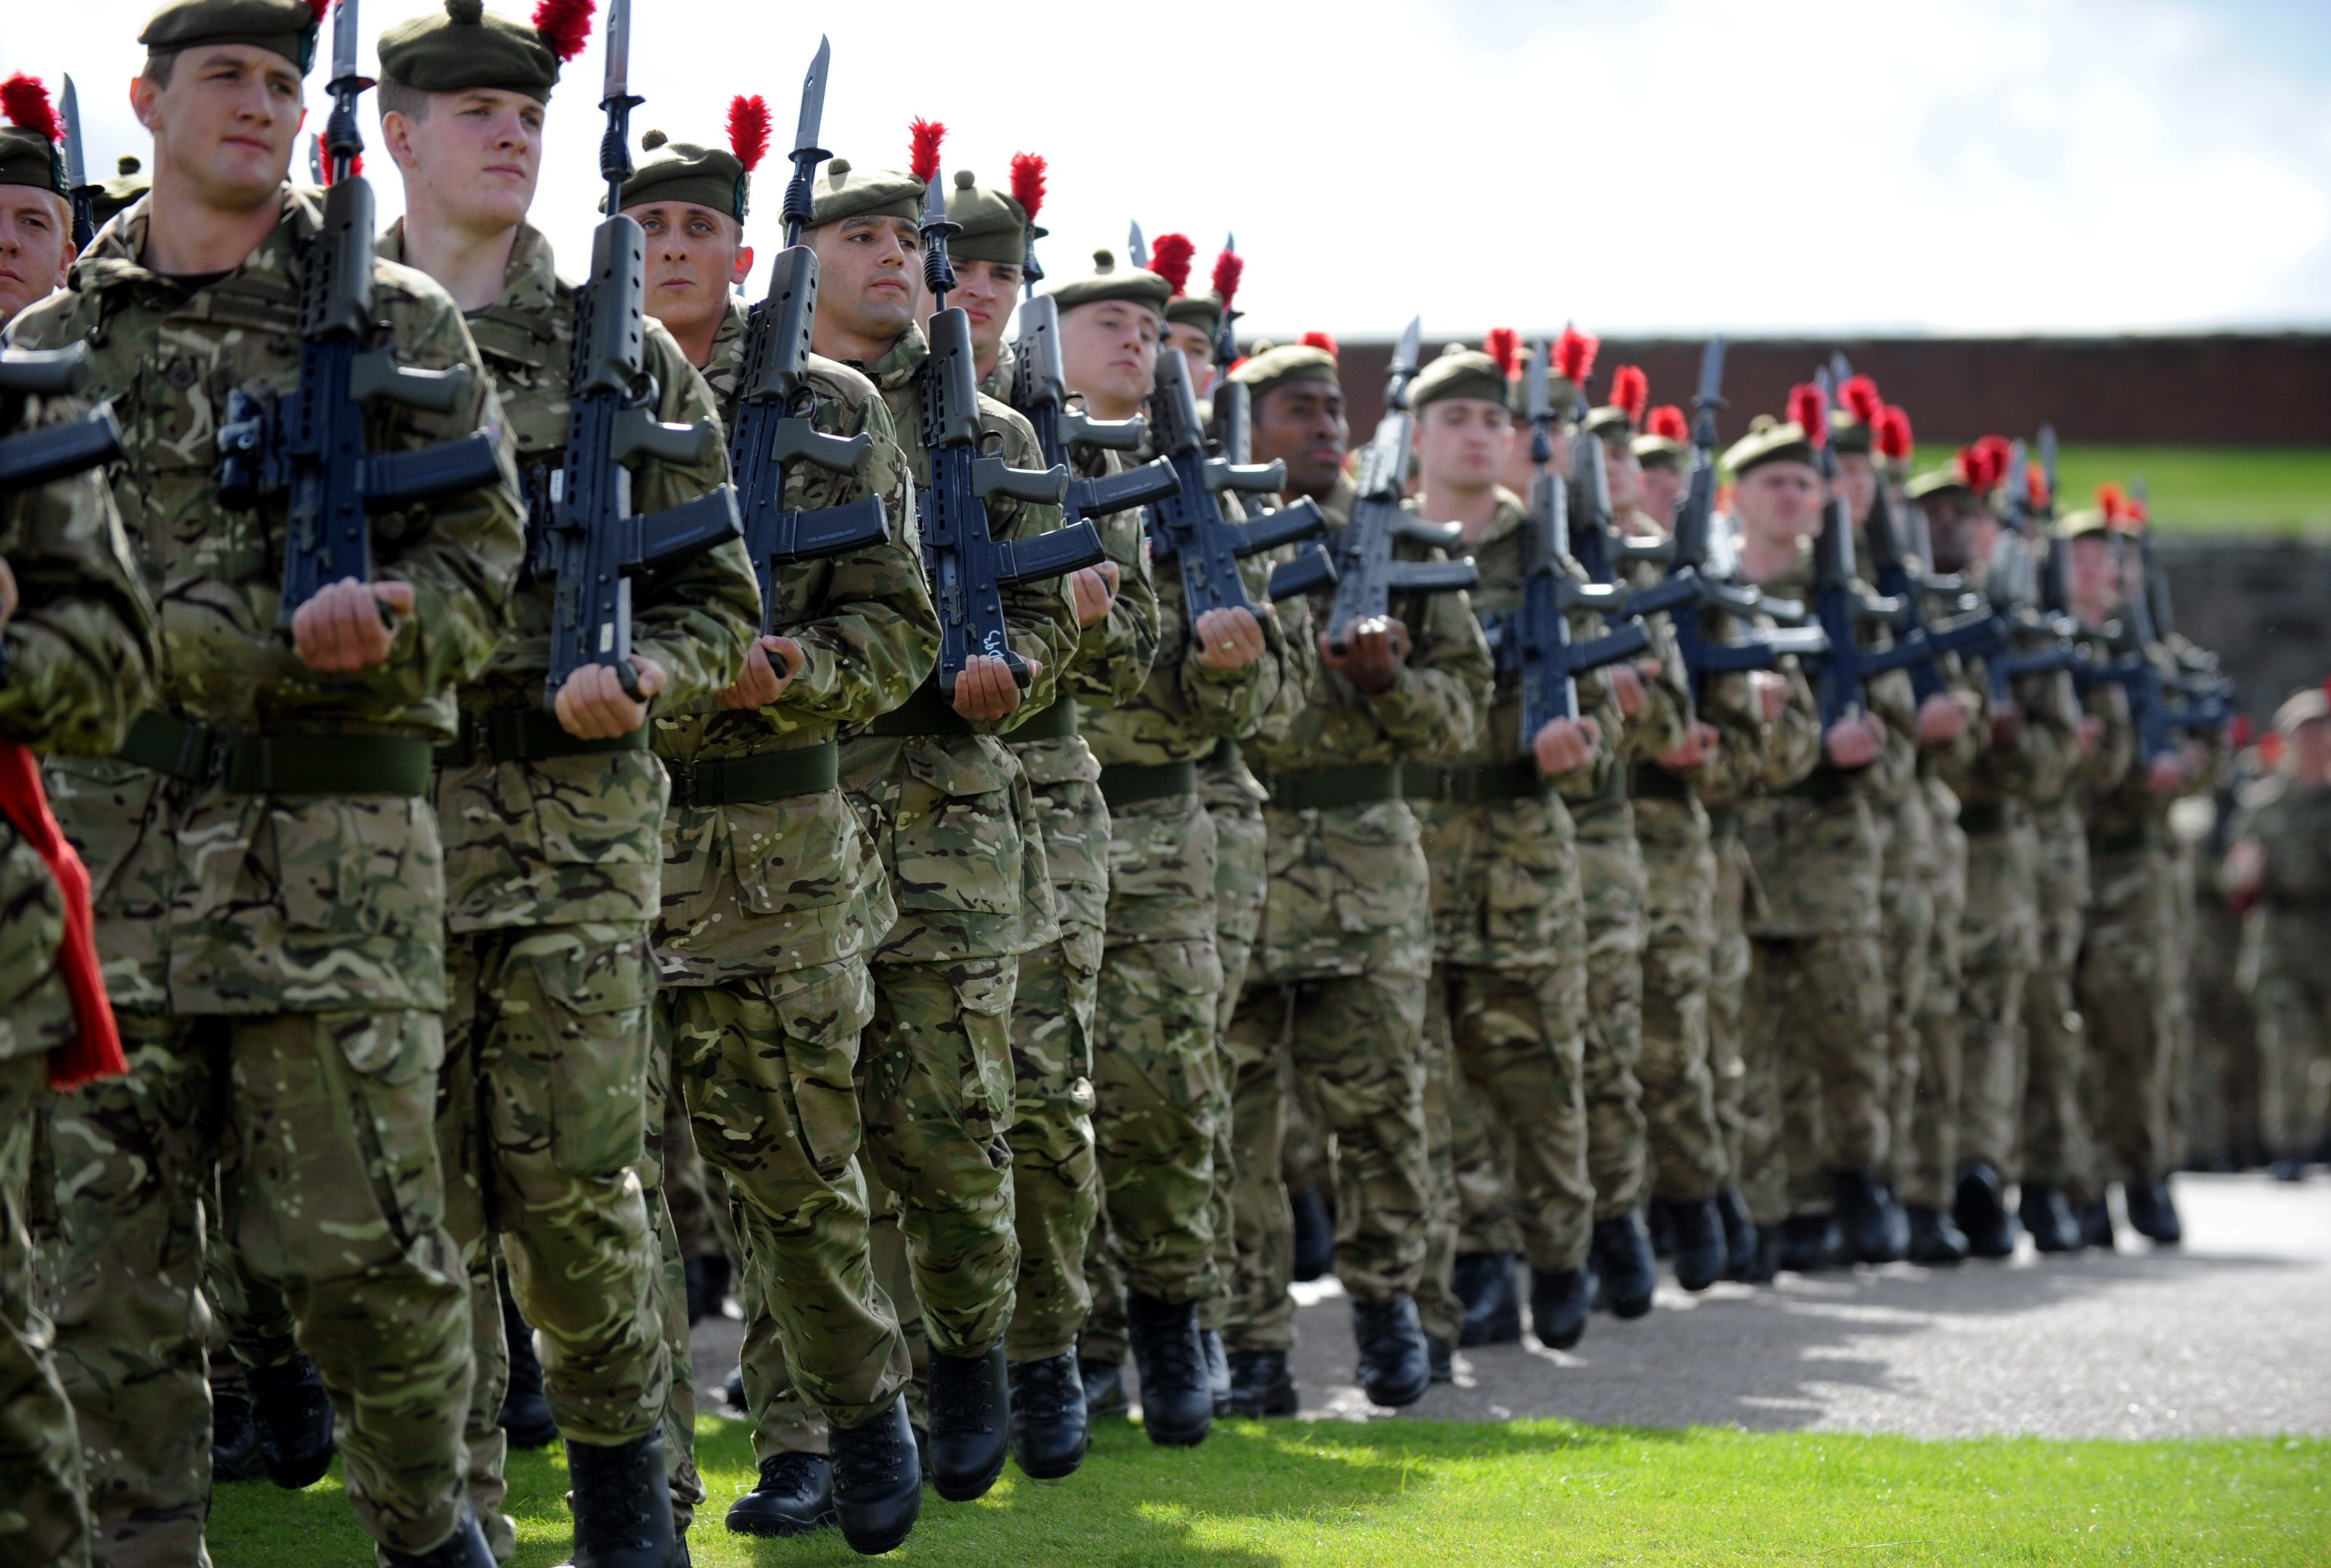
684 782
204 754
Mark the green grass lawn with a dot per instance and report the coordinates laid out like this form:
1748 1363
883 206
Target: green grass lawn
2232 490
1450 1495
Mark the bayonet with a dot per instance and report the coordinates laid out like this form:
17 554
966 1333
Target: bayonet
1137 248
618 84
2048 466
808 155
82 194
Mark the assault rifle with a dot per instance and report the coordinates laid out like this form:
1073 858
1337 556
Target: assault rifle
309 444
1839 603
1367 574
969 567
31 457
1590 530
2033 640
1039 390
777 400
2161 701
595 544
1188 527
1978 633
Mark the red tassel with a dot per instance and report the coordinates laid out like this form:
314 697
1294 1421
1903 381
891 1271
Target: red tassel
1229 268
1892 433
95 1049
317 8
24 100
1997 452
1573 356
923 155
748 129
564 25
1503 344
2041 498
1859 397
1170 256
1810 410
1630 391
1669 425
1322 341
1028 183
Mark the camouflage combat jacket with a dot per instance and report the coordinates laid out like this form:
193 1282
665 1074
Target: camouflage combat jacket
560 839
77 660
2285 930
950 811
770 885
2125 814
1995 782
1349 890
216 902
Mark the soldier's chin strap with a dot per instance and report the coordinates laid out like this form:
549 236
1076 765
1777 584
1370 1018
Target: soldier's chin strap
94 1051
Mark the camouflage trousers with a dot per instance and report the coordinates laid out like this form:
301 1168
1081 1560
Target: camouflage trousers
1056 1181
2293 1010
1514 1110
541 1114
1926 1164
43 1507
1688 1160
1907 934
767 1066
2058 1147
1816 1007
2001 944
697 1201
2224 1093
317 1130
1357 1040
2125 997
1727 991
1610 870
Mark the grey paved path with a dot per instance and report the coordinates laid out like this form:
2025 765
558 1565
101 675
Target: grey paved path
2230 1334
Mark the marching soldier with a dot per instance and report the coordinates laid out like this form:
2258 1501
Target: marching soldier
293 970
36 243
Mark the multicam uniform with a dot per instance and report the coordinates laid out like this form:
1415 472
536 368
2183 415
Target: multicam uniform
2283 943
271 917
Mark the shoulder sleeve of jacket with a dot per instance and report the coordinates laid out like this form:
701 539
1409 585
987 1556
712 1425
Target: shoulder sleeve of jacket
1040 619
1434 704
1114 653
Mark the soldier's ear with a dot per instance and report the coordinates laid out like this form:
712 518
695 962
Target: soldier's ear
743 264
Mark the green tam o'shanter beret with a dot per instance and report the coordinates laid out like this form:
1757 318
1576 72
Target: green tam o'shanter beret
994 227
844 192
129 182
719 177
1938 481
30 149
2075 525
1268 369
1769 439
1666 441
469 47
1134 286
1631 393
1170 259
286 28
1458 371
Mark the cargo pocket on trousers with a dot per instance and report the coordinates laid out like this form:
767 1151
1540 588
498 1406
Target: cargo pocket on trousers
825 1024
596 997
985 1000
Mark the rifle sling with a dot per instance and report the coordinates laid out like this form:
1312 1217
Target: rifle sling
526 734
738 781
1473 783
281 763
1326 788
1128 783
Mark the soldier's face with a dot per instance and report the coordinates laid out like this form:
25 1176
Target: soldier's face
1857 484
867 275
1462 442
2092 573
1109 350
1624 474
2310 748
473 158
1195 348
224 125
1662 486
1778 503
1302 424
694 255
986 290
1946 526
35 246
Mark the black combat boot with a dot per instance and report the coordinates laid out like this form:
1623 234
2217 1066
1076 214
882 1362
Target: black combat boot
1103 1384
878 1481
1696 1241
1867 1215
1806 1243
1981 1209
2289 1168
1260 1384
235 1440
1558 1303
1441 1357
526 1418
622 1500
2049 1217
1623 1263
794 1497
1935 1241
1177 1404
1739 1233
2097 1225
1218 1370
1395 1368
708 1287
464 1548
1484 1286
1315 1234
732 1389
1765 1259
1049 1430
294 1418
1661 1224
970 1401
2151 1212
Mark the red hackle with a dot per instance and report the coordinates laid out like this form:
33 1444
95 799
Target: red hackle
1859 397
1891 433
1573 356
923 148
1668 424
748 129
1321 340
1997 452
1170 256
1503 344
1808 410
317 8
356 167
564 25
1028 183
2041 496
1229 268
25 102
1630 391
2113 501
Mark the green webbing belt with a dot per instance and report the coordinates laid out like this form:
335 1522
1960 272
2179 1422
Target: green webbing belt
1326 788
1472 783
526 734
1989 817
289 764
1058 722
1131 784
1654 782
1823 784
925 712
737 781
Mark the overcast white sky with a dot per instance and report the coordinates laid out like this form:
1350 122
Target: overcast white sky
1951 166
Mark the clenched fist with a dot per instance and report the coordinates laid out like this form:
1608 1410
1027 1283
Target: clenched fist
348 625
593 706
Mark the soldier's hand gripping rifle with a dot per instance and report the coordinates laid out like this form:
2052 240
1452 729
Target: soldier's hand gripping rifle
308 445
1367 574
594 544
31 457
968 566
1704 656
1533 639
1977 632
777 402
1039 390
